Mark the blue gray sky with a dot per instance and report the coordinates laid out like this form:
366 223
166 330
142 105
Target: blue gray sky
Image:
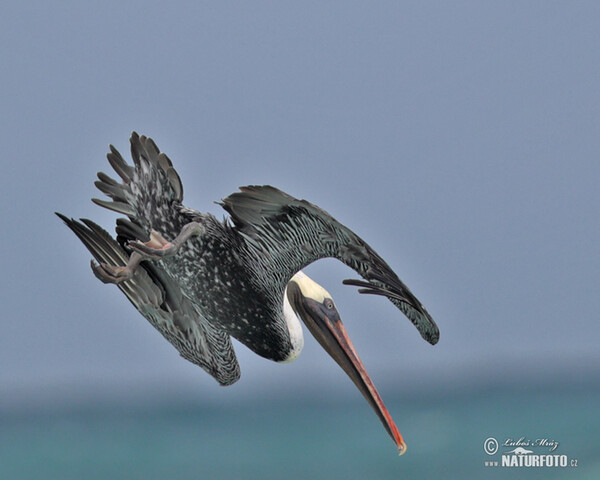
460 139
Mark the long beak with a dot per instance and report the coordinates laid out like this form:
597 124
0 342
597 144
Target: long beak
330 332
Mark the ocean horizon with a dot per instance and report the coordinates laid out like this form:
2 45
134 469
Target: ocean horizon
178 437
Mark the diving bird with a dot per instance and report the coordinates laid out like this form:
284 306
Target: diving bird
200 281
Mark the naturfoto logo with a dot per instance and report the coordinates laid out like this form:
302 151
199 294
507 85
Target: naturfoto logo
524 452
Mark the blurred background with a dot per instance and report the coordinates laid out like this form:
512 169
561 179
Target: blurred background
459 139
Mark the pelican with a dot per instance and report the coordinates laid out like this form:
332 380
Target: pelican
200 281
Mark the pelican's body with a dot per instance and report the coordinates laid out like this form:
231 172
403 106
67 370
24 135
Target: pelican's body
200 281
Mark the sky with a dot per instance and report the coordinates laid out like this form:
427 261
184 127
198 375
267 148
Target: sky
459 139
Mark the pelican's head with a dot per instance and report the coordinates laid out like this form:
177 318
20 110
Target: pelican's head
314 305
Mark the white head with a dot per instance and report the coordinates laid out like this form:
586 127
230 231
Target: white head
309 289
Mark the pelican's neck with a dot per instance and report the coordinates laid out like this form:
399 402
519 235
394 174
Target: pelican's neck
294 328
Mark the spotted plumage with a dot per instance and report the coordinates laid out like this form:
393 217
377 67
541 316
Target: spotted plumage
227 279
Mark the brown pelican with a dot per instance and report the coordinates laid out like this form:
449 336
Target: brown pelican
200 281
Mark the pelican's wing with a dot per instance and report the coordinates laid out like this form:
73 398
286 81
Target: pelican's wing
159 299
286 234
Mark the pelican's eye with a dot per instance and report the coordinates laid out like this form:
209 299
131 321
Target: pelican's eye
328 304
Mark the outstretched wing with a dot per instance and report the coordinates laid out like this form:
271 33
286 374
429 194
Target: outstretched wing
160 300
287 234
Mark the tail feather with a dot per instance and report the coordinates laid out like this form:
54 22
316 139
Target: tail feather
144 151
128 230
148 189
116 191
119 207
119 164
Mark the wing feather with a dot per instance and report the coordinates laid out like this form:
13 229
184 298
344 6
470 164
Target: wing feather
162 303
295 233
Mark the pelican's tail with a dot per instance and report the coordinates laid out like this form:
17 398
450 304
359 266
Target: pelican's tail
150 189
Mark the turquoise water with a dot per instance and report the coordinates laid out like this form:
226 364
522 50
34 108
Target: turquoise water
303 439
